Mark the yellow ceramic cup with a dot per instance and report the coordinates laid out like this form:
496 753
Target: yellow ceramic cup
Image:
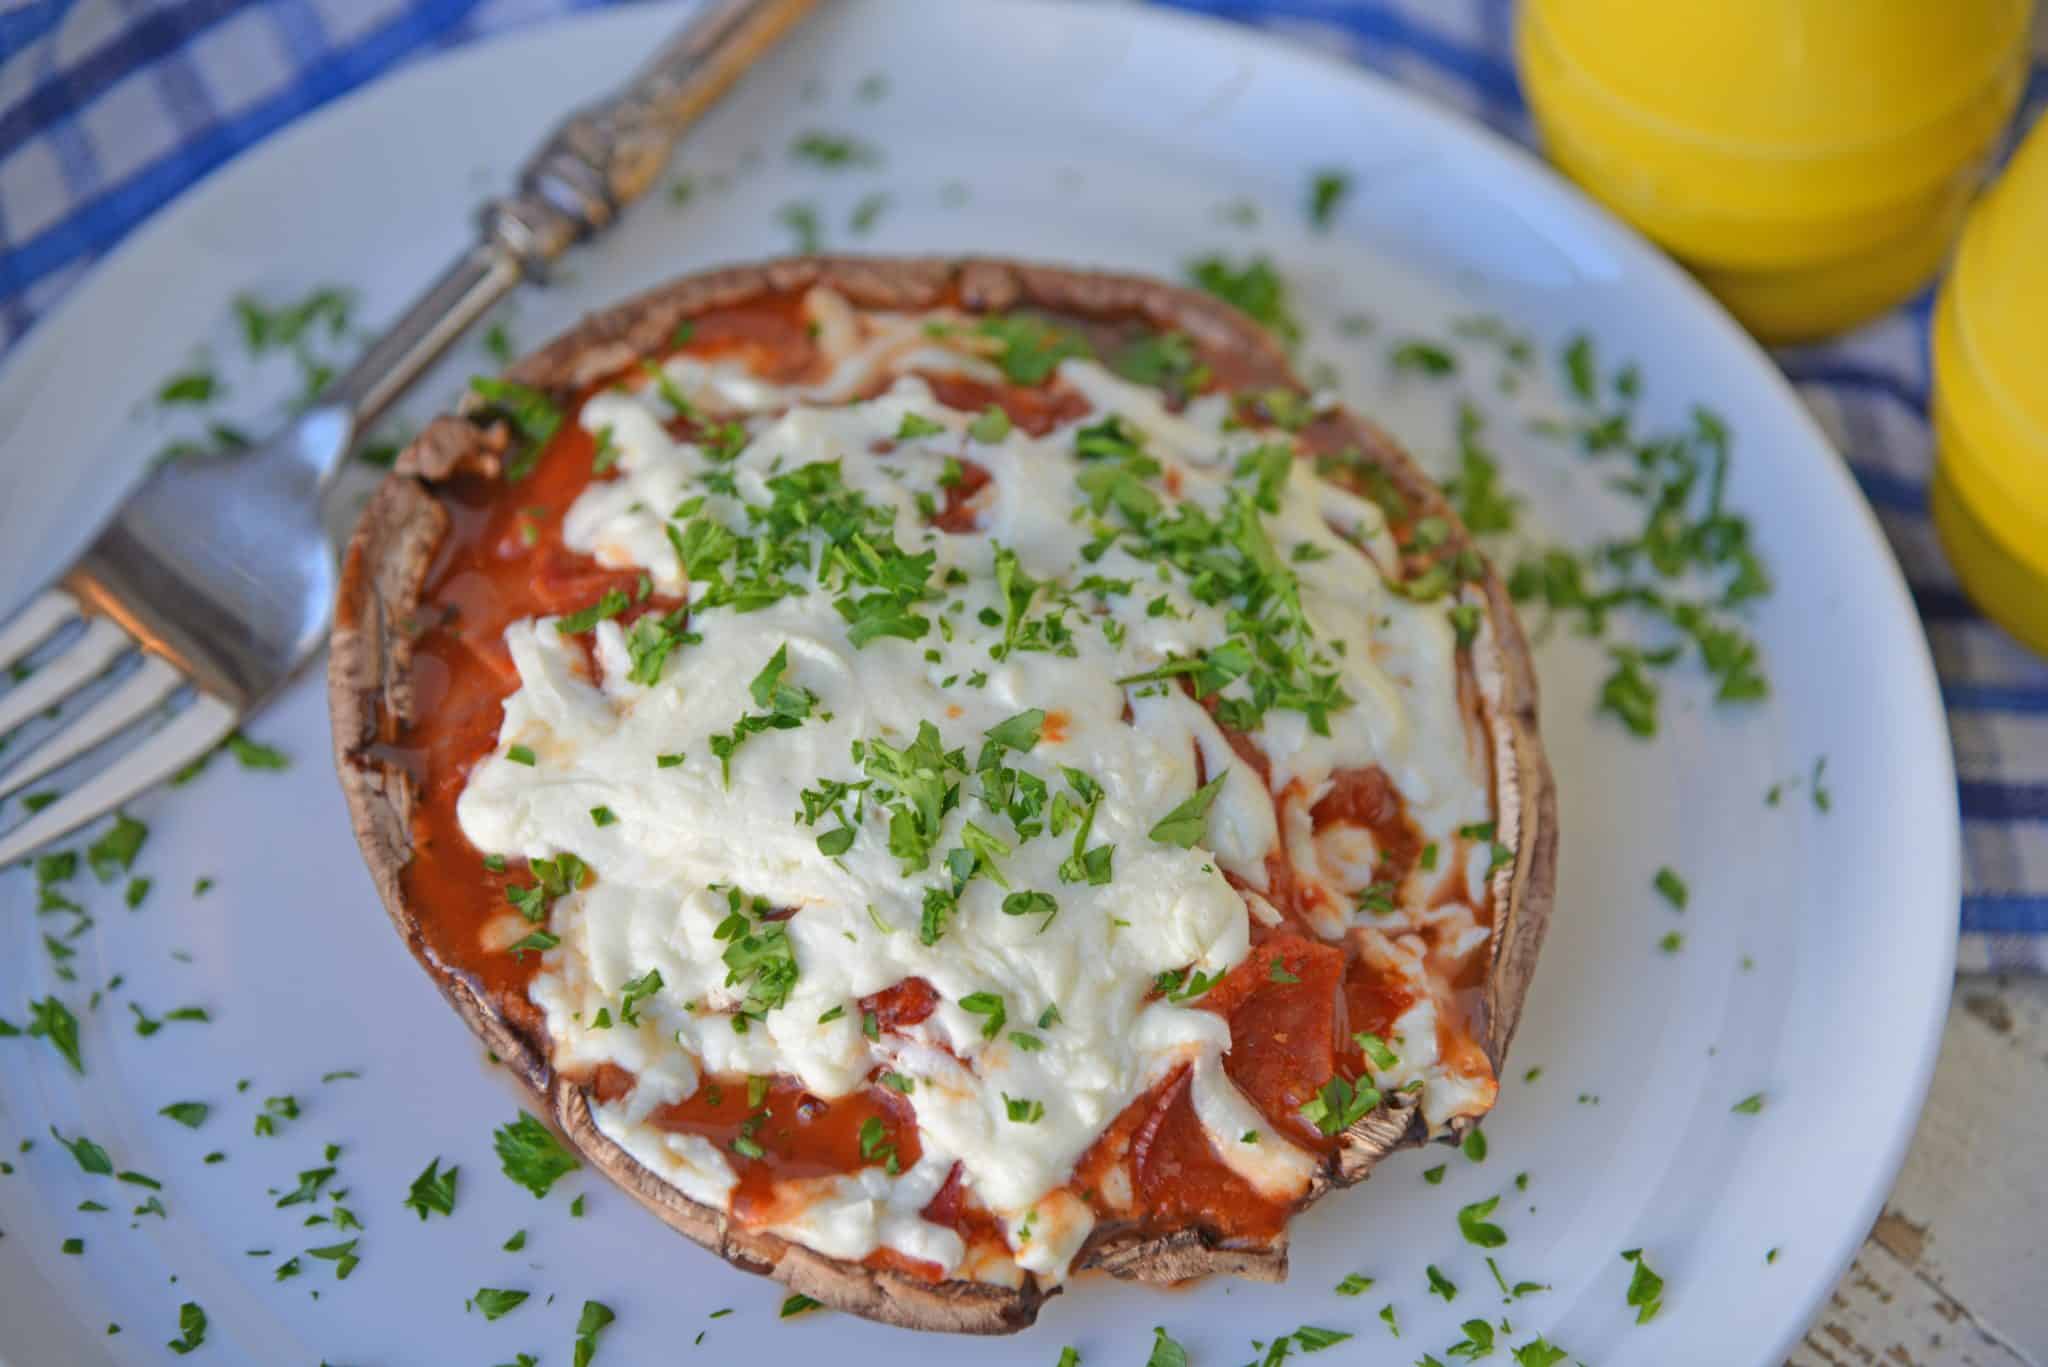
1990 492
1809 159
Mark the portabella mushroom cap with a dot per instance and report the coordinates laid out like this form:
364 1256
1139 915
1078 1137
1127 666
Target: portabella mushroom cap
371 698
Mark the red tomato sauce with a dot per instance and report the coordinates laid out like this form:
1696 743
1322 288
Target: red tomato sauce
797 1135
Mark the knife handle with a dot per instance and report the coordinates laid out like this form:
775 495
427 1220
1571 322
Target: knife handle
607 154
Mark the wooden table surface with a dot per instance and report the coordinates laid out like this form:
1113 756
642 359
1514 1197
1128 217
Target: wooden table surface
1955 1273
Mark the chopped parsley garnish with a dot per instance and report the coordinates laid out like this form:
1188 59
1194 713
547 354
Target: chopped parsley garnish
275 1109
433 1192
1326 190
1475 1144
311 1182
342 1255
1477 1229
1376 1050
1165 360
251 755
531 1155
786 707
191 1329
875 1146
797 1305
535 942
1424 358
92 1159
1753 1104
1354 1285
190 387
833 151
520 754
607 453
1475 491
1023 1110
1440 1285
1314 1340
1186 823
596 1317
494 1302
532 415
1645 1287
1032 904
634 992
190 1114
1255 289
614 602
990 1005
1340 1104
991 427
867 211
1477 1343
1672 887
1166 1352
1029 347
759 956
114 852
915 425
651 639
52 1020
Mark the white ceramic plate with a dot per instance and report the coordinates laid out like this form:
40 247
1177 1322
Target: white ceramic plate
1818 946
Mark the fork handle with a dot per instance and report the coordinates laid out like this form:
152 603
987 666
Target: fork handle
595 162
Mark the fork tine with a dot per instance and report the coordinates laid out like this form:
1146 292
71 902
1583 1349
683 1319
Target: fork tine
192 733
142 690
35 624
102 644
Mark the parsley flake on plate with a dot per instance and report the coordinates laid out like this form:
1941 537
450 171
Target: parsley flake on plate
433 1192
531 1155
1645 1287
495 1303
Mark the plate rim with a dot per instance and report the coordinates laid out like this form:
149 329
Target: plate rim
1523 173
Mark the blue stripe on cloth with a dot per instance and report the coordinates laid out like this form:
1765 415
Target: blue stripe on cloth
2003 802
99 224
1889 491
62 95
1862 379
1969 697
2014 915
1491 74
1943 603
20 27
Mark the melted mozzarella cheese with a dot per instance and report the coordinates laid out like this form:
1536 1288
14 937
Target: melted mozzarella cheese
1015 1106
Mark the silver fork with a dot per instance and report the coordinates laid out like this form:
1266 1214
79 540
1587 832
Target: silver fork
216 573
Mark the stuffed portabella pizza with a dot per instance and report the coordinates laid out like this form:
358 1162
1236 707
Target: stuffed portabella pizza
943 775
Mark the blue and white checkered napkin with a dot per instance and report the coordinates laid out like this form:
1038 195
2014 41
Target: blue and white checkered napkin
108 108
